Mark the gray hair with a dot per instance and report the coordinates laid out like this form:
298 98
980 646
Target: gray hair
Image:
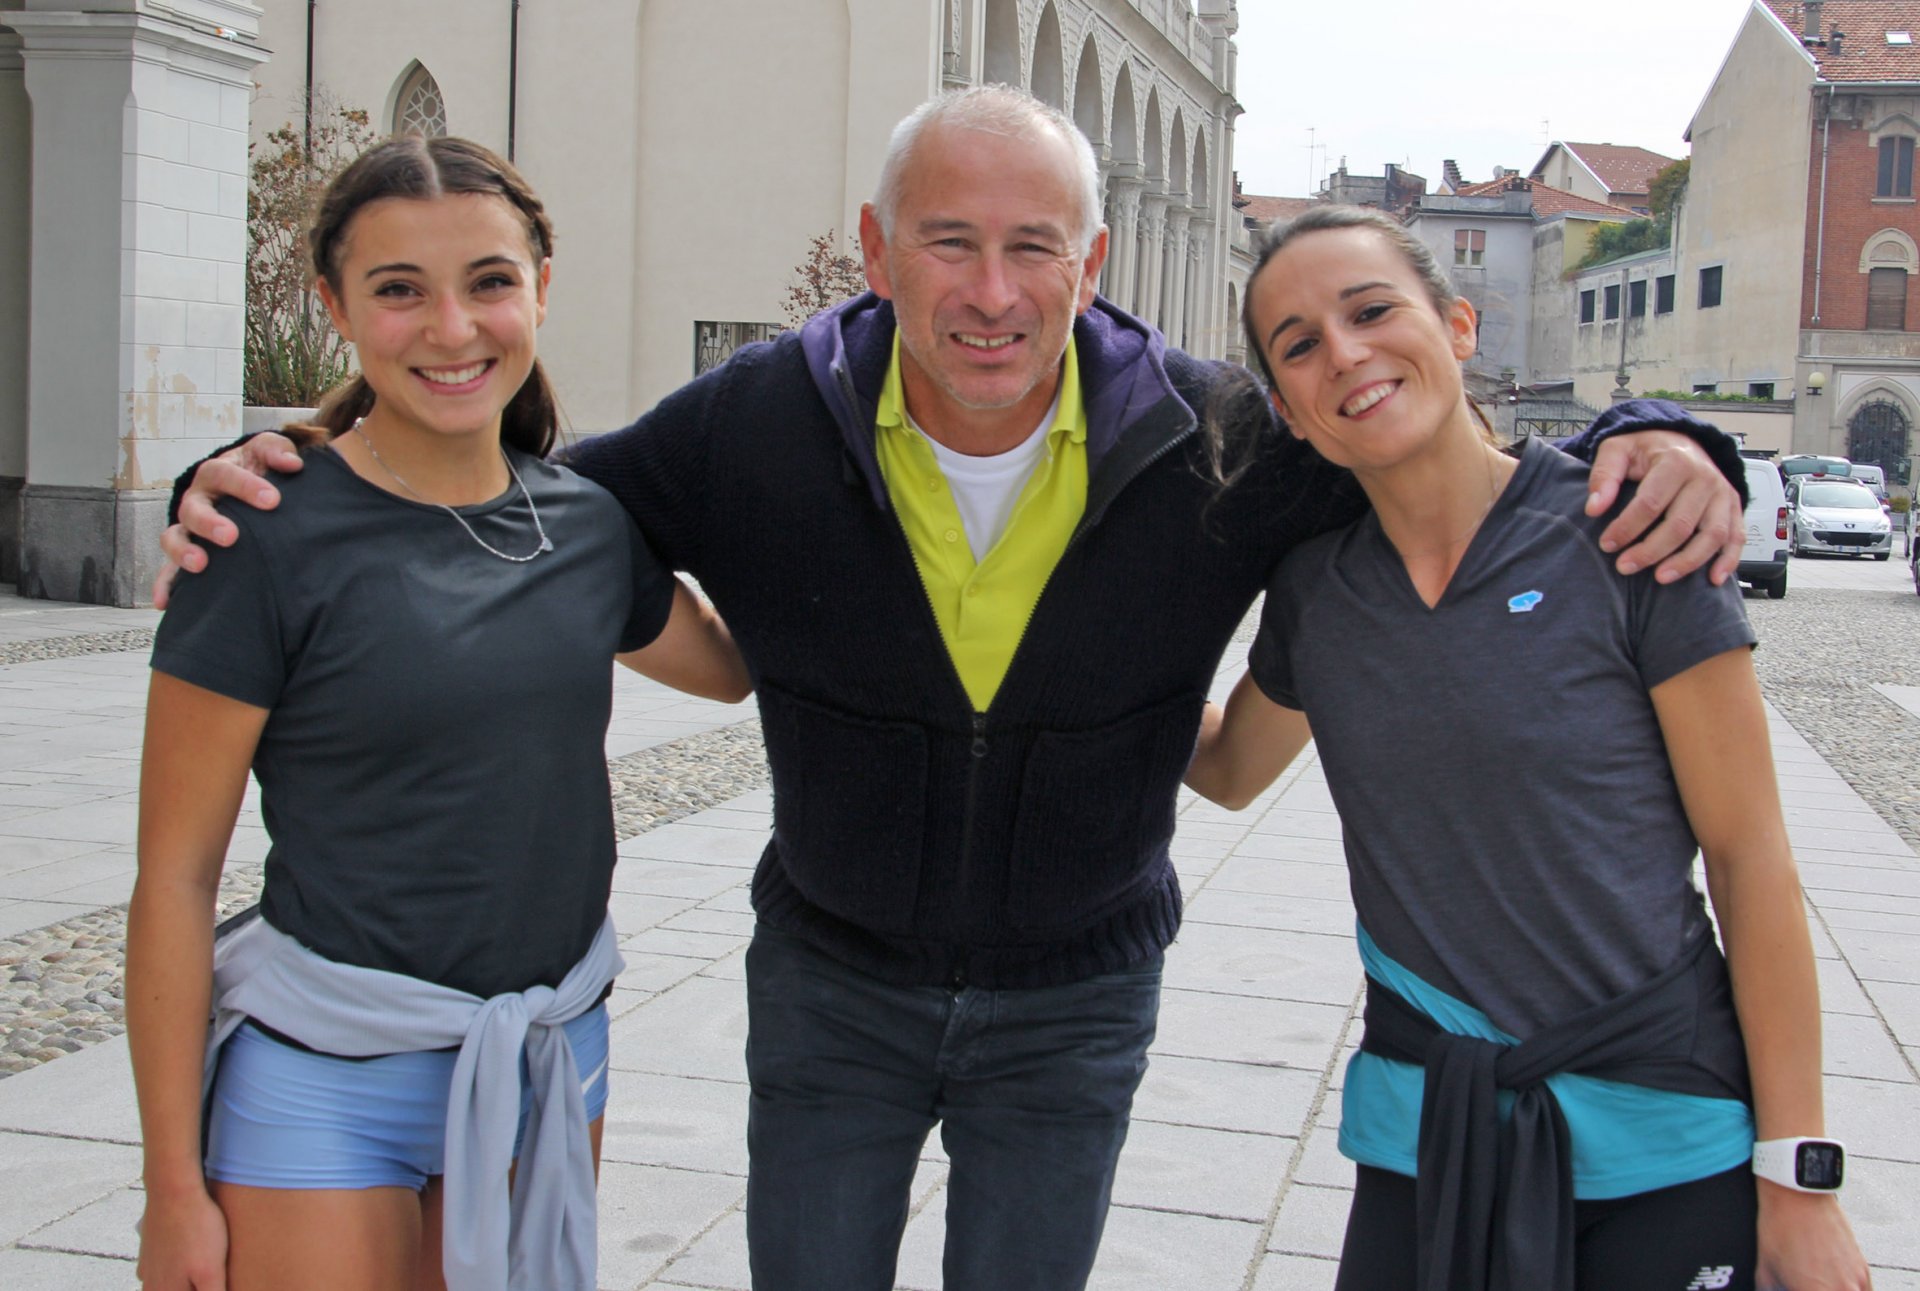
993 109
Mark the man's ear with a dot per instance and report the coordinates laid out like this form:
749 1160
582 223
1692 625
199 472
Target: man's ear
873 252
1090 270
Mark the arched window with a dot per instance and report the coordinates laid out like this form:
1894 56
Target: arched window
418 108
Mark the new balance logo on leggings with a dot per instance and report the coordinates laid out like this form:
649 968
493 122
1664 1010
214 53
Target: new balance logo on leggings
1712 1278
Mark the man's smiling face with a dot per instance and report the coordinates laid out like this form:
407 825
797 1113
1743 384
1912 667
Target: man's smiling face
986 272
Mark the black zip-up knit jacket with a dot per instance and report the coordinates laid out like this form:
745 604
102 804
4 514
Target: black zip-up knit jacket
914 838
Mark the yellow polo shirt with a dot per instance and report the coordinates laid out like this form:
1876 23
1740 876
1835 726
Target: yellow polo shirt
983 608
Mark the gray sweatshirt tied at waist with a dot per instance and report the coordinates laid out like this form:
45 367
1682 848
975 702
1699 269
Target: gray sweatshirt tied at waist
542 1239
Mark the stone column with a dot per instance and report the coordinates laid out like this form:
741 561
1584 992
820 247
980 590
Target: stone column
1175 304
139 243
15 265
1153 231
1202 328
1123 239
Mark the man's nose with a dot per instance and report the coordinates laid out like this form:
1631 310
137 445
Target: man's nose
993 290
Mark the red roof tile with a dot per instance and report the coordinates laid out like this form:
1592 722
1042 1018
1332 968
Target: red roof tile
1864 54
1547 200
1272 210
1621 169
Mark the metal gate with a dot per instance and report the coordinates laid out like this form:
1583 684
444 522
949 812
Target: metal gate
1880 434
1551 418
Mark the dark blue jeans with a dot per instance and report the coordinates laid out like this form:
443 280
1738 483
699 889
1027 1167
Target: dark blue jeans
1031 1089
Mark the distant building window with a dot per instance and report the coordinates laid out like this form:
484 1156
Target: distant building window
1703 389
1899 38
420 109
1710 287
1613 302
1887 300
1470 248
714 343
1896 167
1586 306
1663 294
1759 389
1637 298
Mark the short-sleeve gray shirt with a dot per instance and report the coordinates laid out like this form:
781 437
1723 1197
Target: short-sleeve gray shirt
1513 832
433 771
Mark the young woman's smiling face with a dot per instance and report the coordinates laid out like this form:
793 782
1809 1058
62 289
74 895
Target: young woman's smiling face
441 297
1366 367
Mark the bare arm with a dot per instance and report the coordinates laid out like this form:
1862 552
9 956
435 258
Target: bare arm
237 473
694 652
1685 513
1716 735
1244 746
192 775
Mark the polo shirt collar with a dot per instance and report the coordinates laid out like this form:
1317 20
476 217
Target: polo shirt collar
1069 415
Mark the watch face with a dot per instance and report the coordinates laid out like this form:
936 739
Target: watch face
1819 1165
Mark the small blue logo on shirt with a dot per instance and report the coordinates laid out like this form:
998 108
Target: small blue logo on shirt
1524 602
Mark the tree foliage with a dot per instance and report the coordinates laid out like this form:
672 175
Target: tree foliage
292 354
1614 241
823 279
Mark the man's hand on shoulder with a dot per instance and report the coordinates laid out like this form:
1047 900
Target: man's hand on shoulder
1685 513
237 473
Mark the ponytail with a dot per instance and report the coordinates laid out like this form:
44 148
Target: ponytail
531 420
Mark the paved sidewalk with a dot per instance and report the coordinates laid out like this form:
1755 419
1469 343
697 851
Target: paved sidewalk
1229 1182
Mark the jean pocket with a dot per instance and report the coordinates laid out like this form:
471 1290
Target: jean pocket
849 813
1096 813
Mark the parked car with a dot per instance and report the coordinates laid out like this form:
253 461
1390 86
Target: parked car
1763 563
1871 476
1814 464
1838 516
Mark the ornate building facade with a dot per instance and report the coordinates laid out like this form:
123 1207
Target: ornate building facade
688 150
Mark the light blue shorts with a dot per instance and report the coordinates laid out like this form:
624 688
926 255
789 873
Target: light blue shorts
283 1117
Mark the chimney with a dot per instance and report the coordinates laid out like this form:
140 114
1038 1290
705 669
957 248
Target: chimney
1833 43
1810 29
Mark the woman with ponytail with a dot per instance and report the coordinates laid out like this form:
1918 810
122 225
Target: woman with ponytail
414 663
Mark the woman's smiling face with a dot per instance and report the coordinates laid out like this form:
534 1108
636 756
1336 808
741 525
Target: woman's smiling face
441 297
1366 365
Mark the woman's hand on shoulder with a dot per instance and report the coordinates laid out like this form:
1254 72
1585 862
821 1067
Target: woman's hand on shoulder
183 1243
1806 1244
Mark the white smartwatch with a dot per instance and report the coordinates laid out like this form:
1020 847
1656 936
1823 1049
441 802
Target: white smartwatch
1804 1165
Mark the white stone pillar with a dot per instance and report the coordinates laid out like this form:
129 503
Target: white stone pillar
1202 292
139 243
1178 218
16 188
1123 242
1153 229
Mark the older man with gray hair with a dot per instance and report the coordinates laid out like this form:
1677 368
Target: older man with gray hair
963 530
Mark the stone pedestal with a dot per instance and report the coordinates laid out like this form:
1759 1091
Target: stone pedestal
138 216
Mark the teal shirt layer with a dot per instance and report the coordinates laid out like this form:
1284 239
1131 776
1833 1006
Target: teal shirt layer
1627 1139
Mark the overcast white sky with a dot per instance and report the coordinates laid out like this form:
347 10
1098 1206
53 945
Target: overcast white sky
1415 82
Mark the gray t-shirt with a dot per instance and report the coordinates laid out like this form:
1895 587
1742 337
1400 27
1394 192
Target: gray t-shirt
433 771
1513 832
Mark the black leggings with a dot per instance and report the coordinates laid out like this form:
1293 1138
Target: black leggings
1695 1236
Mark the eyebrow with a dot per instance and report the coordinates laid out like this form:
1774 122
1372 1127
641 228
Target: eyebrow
401 266
933 226
1347 294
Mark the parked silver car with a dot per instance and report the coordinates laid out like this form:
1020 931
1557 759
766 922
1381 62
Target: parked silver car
1837 516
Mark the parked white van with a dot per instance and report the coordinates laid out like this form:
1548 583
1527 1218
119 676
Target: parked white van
1763 563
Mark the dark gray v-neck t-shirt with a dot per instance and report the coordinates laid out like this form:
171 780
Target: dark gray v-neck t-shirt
433 771
1513 832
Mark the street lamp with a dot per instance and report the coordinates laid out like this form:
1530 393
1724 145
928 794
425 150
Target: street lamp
1816 382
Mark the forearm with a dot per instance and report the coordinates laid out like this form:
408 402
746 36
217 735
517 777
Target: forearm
169 988
1243 747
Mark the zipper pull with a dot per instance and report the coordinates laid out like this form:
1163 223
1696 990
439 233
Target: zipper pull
979 735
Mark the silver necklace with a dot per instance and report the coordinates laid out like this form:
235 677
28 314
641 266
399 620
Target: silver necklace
546 543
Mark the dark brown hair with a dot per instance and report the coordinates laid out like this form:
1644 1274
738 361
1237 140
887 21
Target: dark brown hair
413 167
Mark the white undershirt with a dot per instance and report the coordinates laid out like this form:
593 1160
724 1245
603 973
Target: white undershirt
986 489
